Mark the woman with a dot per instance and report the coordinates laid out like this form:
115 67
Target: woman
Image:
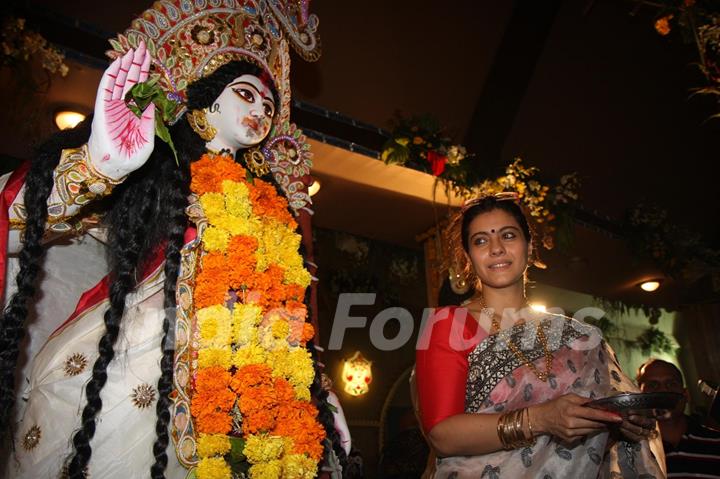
502 389
107 382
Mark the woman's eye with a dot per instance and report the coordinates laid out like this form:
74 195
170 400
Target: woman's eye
508 235
480 241
268 110
246 95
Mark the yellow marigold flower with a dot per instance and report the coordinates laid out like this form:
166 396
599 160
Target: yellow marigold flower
278 361
263 448
241 226
266 470
237 199
213 205
299 276
215 326
245 318
280 329
209 445
298 466
300 368
208 357
250 354
268 341
402 141
245 332
302 393
250 312
214 468
215 239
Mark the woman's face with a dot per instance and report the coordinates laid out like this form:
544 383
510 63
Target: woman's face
242 114
497 248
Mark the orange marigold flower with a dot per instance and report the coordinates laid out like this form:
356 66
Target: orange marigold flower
212 401
208 293
267 203
295 291
258 398
308 332
284 390
209 172
662 25
297 420
249 376
260 421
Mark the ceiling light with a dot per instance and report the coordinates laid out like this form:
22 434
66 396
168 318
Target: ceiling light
539 307
65 119
314 188
651 285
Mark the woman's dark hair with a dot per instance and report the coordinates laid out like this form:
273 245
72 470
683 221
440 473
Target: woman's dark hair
490 203
145 212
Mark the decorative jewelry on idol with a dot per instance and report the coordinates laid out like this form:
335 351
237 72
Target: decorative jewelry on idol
541 375
255 161
199 124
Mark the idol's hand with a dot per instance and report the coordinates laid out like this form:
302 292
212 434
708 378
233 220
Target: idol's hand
120 142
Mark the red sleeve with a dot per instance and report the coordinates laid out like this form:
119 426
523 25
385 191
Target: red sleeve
441 368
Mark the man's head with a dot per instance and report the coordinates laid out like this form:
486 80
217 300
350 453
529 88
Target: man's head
656 375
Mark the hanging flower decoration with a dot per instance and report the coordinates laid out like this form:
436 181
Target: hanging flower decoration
251 398
420 143
20 44
549 207
698 22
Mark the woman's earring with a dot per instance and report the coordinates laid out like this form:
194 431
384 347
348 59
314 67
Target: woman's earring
255 161
199 124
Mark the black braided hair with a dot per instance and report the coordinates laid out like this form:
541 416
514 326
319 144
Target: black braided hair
38 185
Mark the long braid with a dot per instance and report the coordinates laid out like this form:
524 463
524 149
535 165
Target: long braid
38 185
127 243
178 194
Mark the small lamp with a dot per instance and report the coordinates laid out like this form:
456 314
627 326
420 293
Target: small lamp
357 374
65 119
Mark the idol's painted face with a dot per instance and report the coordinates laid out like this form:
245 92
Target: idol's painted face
497 248
242 114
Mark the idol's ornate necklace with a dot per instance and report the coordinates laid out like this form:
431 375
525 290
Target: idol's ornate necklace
541 375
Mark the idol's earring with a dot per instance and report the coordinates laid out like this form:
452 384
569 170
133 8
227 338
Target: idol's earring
199 124
255 161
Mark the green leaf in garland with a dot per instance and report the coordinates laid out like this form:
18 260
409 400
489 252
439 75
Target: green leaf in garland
236 458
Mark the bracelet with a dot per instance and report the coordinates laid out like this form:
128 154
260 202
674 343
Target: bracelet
510 429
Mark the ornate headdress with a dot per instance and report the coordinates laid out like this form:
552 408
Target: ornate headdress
189 39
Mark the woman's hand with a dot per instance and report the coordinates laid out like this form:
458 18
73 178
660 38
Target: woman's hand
568 419
120 142
638 426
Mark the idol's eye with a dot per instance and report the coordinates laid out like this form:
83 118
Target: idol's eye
269 109
245 94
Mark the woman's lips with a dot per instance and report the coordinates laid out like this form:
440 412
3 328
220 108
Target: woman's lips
500 266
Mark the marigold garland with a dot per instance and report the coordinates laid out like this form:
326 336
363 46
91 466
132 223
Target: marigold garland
253 371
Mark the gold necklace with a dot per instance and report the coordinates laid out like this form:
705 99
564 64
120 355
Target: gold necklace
541 375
